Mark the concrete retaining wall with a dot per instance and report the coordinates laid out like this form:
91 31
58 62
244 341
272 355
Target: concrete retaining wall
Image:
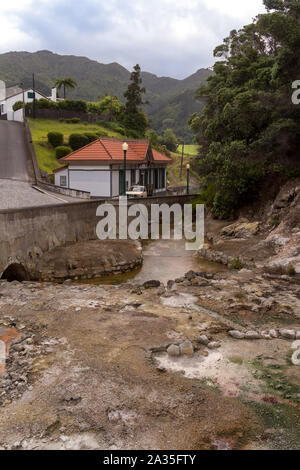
25 234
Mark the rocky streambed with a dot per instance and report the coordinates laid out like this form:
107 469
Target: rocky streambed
152 365
202 359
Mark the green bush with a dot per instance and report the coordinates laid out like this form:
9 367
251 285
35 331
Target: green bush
62 151
236 264
17 105
102 134
44 103
91 136
77 141
75 120
55 139
73 105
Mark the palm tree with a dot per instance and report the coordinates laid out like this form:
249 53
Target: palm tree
65 83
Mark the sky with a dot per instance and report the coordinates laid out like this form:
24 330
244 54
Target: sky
166 37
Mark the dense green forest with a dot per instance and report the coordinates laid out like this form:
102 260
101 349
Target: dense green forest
249 130
170 101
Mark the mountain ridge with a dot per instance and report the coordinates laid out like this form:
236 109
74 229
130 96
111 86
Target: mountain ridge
95 79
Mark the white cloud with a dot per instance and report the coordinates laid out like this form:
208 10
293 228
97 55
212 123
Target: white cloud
173 37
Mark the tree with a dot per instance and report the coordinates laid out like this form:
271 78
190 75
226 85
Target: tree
169 139
133 117
65 83
249 127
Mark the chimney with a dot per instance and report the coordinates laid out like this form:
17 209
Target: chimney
53 94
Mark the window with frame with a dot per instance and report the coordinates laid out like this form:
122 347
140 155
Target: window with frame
63 181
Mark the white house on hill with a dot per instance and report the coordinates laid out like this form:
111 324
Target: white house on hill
14 94
99 167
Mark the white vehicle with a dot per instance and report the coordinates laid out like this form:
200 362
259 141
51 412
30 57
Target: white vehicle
137 191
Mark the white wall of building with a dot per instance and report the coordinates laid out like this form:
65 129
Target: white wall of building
62 176
101 181
7 104
97 182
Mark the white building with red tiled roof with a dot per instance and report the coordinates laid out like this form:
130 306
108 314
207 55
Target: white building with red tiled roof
99 168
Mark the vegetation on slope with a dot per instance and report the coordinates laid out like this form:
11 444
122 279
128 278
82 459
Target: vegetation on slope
168 98
46 153
249 129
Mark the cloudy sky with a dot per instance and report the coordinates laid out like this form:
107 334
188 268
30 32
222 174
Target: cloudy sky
166 37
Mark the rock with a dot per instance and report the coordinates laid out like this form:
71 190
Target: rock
214 345
241 230
288 334
170 284
266 335
173 351
297 334
236 334
190 275
187 348
273 333
203 339
161 290
252 335
151 284
67 282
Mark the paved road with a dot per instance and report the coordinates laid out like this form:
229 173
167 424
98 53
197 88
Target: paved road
13 155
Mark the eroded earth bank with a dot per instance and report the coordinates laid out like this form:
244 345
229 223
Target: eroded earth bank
206 361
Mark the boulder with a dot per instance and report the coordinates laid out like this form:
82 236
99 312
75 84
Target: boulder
288 334
252 335
187 349
237 334
241 229
214 345
190 275
173 351
203 339
151 284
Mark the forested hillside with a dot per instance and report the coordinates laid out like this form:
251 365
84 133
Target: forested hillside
168 98
249 130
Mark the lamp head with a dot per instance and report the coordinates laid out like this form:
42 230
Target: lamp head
188 166
125 147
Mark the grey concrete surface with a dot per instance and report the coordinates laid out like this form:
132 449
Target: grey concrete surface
17 194
13 152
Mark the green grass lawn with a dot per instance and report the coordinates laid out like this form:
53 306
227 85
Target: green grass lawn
46 153
188 149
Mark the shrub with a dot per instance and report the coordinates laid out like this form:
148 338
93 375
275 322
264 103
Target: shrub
62 151
44 103
77 141
102 134
17 105
55 139
291 270
91 136
73 105
236 264
75 120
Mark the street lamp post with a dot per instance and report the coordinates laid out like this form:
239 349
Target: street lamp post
188 179
125 148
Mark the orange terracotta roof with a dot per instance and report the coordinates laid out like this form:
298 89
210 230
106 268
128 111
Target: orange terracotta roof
160 157
110 150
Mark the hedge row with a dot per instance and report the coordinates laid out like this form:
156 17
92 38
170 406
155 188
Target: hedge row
76 141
